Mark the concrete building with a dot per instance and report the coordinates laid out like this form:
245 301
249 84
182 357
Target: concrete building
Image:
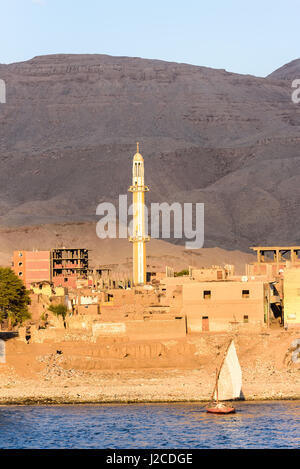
67 265
109 276
138 237
32 266
224 305
63 267
271 260
291 295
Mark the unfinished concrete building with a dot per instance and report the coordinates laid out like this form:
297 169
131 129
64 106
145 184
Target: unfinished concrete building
67 265
271 260
63 267
109 276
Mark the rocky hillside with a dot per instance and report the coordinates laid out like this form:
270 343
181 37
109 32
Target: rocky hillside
289 71
69 127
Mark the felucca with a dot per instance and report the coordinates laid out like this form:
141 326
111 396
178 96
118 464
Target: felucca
228 382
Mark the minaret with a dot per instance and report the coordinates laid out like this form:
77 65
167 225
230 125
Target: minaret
138 237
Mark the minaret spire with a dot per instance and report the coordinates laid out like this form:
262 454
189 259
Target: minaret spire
139 237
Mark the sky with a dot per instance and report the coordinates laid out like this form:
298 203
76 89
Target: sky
249 37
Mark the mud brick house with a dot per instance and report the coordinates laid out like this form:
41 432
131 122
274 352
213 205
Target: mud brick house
223 305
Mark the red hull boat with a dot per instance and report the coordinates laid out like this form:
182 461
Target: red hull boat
221 410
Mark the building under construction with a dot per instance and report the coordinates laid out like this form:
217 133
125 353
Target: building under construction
67 265
271 260
61 266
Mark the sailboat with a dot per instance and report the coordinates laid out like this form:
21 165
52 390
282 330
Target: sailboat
228 384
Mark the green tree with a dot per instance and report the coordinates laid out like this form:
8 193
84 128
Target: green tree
59 310
14 298
181 273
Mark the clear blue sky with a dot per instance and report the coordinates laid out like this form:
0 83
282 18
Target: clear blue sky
254 36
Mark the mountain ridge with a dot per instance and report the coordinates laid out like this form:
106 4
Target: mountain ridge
68 133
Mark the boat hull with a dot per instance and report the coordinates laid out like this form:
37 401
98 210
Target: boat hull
223 410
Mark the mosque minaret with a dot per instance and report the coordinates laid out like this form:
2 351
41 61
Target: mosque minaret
139 236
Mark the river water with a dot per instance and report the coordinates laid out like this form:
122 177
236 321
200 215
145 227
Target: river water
273 424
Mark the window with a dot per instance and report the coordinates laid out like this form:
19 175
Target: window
245 294
20 264
219 275
20 274
207 294
246 319
20 254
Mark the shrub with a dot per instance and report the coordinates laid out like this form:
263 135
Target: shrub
181 273
59 310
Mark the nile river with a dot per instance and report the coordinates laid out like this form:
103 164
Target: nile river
273 424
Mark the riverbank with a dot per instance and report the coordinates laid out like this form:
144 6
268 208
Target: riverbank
178 371
142 386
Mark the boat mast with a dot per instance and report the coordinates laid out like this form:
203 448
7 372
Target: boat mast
217 390
218 371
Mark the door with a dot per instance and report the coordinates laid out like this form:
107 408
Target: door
205 324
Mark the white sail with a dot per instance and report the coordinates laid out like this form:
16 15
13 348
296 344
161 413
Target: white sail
230 377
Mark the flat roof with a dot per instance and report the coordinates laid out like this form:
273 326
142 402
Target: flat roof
274 248
70 249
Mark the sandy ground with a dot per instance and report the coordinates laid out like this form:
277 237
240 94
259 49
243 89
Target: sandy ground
268 373
140 386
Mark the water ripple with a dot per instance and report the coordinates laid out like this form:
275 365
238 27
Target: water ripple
255 425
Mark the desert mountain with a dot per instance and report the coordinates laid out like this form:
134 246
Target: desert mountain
69 127
289 71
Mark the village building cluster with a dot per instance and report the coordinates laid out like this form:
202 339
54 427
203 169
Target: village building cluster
168 305
101 301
